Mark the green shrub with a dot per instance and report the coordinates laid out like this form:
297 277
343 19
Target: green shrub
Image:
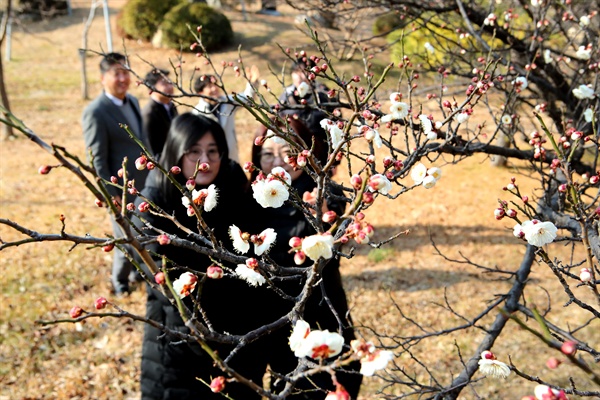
139 19
387 23
216 29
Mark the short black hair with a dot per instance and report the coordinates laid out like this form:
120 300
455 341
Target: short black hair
203 81
110 59
154 76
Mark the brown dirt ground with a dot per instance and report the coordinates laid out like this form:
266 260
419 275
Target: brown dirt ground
100 359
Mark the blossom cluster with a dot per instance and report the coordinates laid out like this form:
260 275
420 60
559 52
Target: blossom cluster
249 272
535 232
262 242
427 177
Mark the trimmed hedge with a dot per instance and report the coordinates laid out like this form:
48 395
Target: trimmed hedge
139 19
216 29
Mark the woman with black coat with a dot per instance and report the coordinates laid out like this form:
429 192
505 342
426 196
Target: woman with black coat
288 222
170 366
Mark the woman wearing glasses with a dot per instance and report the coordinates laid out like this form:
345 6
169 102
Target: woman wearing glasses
170 365
288 221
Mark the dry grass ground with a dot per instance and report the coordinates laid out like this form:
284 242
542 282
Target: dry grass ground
100 359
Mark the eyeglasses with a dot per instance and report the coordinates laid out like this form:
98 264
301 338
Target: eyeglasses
268 156
195 155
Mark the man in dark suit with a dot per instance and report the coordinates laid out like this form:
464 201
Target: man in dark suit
160 110
109 144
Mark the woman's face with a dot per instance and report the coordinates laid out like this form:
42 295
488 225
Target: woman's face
204 151
273 154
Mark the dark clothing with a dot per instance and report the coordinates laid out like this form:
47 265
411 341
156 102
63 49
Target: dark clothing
156 123
288 222
169 366
110 144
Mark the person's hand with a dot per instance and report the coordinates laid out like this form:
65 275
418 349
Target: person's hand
253 74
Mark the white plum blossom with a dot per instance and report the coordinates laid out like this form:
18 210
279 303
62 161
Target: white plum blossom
506 119
584 20
240 244
429 48
375 361
270 192
379 183
317 246
264 241
429 182
461 117
185 284
521 82
583 92
320 345
548 56
536 233
303 89
490 20
418 173
398 111
489 366
210 202
584 53
336 134
588 114
435 172
395 97
275 138
299 334
426 125
536 3
249 275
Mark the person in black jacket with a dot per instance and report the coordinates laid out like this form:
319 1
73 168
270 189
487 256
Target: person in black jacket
171 367
289 221
158 113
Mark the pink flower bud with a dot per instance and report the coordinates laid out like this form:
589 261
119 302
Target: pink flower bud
553 363
150 165
120 173
214 272
370 159
511 213
44 169
130 206
141 162
499 213
368 198
114 179
594 179
217 384
329 217
144 207
99 203
248 167
259 141
203 167
175 170
569 347
133 191
190 184
107 248
562 188
159 278
75 312
585 275
359 216
299 258
525 199
295 242
163 240
356 181
252 263
100 303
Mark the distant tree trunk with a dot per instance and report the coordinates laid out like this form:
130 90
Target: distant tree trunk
7 131
83 50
